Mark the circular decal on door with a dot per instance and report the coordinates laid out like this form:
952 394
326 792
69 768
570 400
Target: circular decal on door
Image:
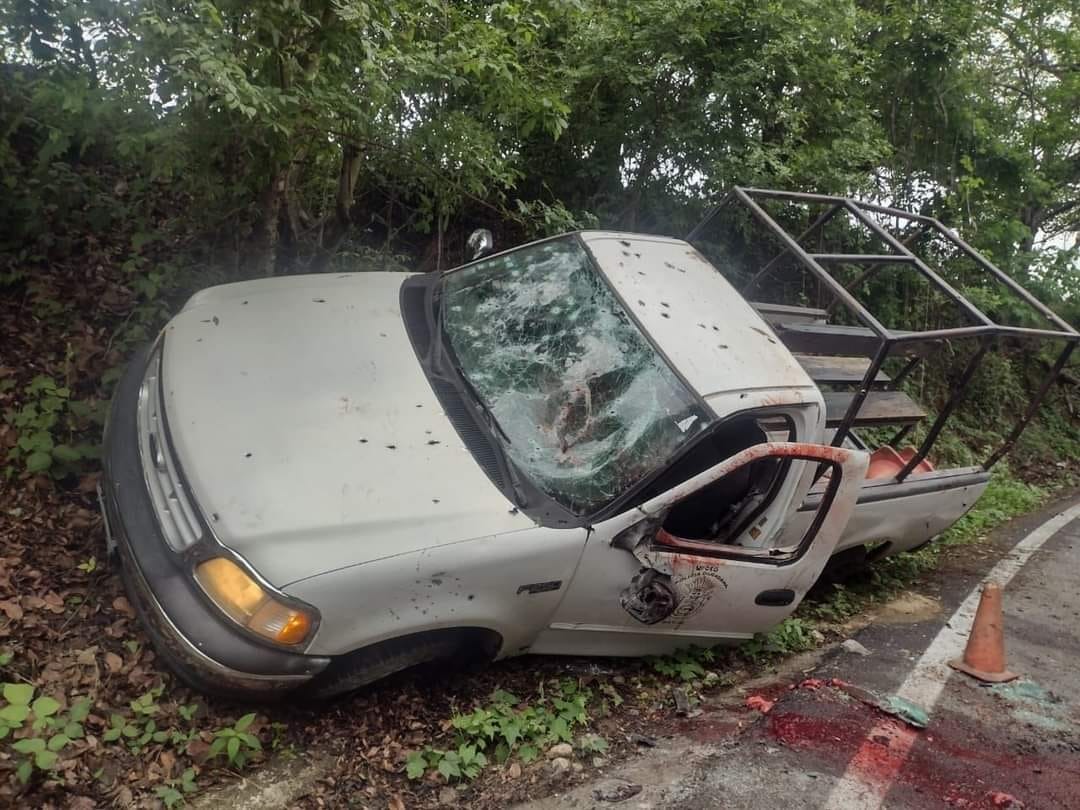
694 592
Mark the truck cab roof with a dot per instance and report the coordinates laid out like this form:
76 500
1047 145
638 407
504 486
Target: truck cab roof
709 333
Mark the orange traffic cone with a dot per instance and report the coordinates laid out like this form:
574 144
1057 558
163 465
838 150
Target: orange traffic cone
984 656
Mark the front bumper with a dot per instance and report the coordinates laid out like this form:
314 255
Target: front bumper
192 636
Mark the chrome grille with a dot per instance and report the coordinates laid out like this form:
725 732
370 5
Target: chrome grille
176 517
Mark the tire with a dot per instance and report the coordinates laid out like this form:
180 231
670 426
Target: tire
842 566
458 647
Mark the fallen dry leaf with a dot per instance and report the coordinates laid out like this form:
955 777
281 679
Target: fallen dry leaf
54 602
114 662
168 761
12 610
88 483
121 604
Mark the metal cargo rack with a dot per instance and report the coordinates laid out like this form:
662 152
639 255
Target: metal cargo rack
822 348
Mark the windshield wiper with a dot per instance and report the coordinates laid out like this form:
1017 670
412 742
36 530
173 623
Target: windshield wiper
489 417
444 356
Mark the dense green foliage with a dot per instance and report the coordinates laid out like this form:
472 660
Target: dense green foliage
166 144
278 134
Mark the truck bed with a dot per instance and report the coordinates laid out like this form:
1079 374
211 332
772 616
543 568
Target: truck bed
893 516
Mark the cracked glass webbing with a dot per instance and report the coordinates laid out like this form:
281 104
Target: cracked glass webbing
587 404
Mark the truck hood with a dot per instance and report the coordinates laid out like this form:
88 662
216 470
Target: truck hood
308 432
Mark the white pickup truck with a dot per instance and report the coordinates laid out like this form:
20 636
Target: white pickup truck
591 444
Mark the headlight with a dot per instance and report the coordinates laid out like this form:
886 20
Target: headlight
250 605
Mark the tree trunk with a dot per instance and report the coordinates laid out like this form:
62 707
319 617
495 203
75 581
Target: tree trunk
339 223
262 245
293 220
629 217
1033 216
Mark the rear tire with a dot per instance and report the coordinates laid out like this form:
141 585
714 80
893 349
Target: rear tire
457 647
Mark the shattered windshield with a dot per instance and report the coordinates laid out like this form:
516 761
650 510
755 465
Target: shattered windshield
588 407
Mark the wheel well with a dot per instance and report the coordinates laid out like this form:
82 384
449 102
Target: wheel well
476 640
472 641
460 645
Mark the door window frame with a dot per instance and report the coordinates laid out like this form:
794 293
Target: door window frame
795 451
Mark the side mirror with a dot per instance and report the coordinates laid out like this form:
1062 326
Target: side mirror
480 243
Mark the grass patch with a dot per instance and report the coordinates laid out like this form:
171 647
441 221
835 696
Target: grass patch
792 635
506 726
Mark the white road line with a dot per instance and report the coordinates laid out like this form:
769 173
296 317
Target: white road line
861 788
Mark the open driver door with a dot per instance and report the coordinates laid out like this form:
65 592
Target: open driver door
712 559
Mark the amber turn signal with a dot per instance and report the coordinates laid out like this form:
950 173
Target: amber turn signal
248 604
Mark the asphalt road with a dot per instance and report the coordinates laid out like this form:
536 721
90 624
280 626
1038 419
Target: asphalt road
821 746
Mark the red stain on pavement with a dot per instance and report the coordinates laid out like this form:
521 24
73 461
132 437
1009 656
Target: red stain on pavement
774 691
799 730
955 762
847 741
712 727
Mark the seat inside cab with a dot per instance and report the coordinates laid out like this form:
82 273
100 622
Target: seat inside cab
722 509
